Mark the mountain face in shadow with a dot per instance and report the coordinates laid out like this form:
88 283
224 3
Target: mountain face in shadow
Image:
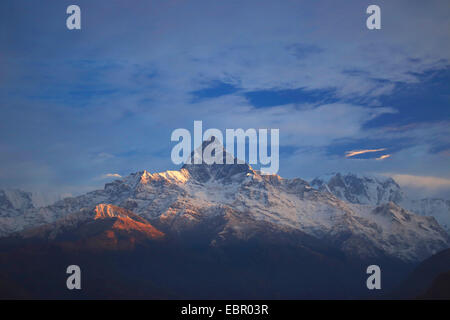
121 255
439 289
273 265
429 280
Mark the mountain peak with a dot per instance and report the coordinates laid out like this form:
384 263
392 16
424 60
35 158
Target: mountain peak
360 188
205 169
208 148
145 176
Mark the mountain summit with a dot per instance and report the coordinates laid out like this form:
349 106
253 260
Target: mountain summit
203 171
376 190
362 189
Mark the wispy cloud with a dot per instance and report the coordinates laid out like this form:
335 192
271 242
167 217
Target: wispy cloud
384 156
111 175
413 181
352 153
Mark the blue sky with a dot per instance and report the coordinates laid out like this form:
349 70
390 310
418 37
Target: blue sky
77 107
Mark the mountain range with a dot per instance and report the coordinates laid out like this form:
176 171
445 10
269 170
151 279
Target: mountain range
376 189
218 231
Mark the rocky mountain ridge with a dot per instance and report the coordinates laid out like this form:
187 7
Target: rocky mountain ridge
238 201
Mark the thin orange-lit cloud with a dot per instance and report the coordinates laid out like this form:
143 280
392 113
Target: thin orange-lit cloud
356 152
384 156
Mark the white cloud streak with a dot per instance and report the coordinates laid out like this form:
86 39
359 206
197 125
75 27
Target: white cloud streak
111 175
352 153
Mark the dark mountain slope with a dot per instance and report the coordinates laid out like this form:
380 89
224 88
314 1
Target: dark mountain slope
430 278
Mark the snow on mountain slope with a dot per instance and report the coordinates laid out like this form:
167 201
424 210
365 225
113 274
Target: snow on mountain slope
15 201
399 228
237 201
361 189
438 208
376 190
13 206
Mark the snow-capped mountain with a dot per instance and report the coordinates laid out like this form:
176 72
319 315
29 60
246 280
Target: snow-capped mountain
362 189
236 202
375 190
